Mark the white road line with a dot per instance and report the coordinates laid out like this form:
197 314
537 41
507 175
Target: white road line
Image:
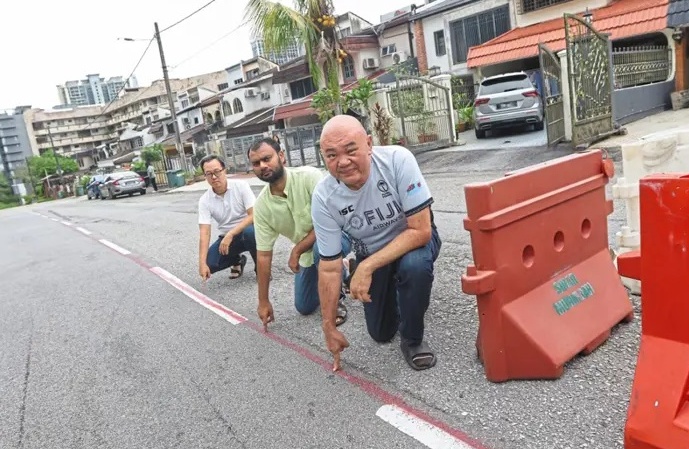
231 316
83 231
422 431
111 245
66 223
55 219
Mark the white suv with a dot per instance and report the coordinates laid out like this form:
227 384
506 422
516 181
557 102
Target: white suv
506 101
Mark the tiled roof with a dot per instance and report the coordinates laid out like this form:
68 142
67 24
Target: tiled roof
621 19
303 106
678 13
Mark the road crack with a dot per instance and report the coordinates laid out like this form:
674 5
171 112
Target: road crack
206 397
25 388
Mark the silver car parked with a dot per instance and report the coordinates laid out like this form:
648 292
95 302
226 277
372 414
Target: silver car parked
122 183
505 101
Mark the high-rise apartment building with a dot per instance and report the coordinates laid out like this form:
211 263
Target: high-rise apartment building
93 90
293 51
15 146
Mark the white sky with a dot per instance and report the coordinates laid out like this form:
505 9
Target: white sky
47 42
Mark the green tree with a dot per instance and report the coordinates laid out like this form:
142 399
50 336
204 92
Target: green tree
309 22
45 163
7 196
152 154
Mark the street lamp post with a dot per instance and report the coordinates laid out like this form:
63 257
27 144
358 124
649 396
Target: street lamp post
57 161
179 145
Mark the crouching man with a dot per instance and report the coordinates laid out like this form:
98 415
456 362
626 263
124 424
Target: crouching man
231 205
284 208
380 199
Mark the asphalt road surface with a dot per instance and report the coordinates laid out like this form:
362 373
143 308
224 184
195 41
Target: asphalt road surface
109 339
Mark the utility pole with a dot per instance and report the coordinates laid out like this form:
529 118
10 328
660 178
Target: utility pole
171 102
57 161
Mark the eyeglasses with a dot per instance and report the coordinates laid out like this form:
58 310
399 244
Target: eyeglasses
214 174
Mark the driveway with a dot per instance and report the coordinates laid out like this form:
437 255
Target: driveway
501 139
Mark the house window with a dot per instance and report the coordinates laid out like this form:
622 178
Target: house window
388 50
348 68
439 39
301 88
138 142
475 30
238 81
226 108
524 6
237 106
223 86
196 120
185 103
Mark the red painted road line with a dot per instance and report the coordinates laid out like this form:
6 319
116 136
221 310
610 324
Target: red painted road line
230 315
367 386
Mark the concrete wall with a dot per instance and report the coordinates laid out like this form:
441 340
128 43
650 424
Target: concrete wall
398 35
430 26
635 103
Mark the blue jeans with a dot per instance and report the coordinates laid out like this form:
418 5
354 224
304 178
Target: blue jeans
242 243
306 299
400 294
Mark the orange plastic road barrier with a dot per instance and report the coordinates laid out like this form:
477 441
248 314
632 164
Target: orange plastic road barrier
546 286
658 416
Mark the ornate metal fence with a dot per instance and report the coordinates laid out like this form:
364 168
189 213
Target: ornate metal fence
552 94
590 80
424 109
301 144
635 66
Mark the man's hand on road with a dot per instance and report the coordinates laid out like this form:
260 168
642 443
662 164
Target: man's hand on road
294 260
265 313
225 244
360 284
204 272
336 343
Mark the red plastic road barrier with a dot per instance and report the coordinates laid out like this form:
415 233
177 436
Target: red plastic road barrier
658 416
546 286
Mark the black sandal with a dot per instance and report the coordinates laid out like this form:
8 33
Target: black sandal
419 357
235 273
341 317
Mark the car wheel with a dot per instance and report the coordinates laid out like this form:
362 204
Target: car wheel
143 191
539 126
131 195
480 133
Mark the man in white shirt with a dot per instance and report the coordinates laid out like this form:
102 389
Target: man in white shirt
231 205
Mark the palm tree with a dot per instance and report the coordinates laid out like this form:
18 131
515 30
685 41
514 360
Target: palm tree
310 22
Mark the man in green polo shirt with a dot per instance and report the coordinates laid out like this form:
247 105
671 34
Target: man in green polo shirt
284 208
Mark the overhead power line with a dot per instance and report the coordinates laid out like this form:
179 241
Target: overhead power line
185 18
117 95
192 56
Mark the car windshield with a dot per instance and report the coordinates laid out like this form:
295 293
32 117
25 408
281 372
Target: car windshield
505 84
